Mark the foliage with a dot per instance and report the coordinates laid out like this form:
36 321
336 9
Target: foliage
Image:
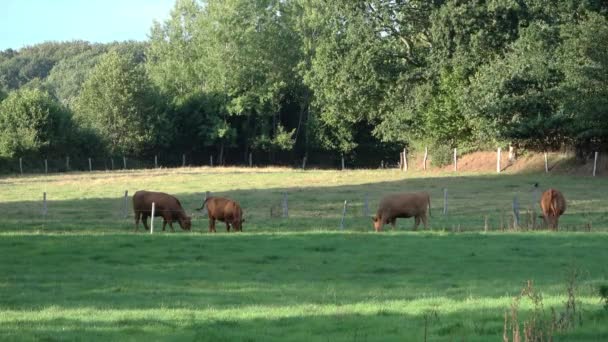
118 104
32 122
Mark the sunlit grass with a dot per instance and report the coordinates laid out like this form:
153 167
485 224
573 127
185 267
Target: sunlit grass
82 273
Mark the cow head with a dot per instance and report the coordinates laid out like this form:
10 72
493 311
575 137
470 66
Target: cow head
185 223
377 223
238 225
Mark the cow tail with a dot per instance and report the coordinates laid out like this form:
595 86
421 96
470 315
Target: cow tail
204 202
553 202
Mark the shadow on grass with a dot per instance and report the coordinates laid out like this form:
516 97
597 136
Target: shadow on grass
473 200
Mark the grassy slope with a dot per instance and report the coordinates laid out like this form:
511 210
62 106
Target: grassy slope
82 275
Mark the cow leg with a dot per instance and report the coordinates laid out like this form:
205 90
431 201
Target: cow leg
171 225
164 224
425 222
211 224
137 216
144 220
416 222
227 226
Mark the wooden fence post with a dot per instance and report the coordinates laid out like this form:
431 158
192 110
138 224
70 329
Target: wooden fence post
46 167
498 160
211 160
342 162
112 162
67 163
455 160
594 164
426 154
184 160
445 201
152 219
44 207
21 166
155 161
285 207
90 165
546 164
126 206
343 214
250 159
304 163
124 162
515 213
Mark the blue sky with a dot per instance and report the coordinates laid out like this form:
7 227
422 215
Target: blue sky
27 22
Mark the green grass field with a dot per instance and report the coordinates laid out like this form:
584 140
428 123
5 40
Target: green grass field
81 273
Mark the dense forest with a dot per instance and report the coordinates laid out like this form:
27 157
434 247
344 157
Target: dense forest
284 79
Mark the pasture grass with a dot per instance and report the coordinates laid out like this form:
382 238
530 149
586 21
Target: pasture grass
82 274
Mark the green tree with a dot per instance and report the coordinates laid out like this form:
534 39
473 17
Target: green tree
31 122
118 103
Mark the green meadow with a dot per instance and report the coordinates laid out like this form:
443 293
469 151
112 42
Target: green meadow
80 272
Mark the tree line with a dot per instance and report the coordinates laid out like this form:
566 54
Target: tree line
286 79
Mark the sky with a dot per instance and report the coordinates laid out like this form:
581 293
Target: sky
28 22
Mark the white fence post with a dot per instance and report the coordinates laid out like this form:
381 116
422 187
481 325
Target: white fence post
343 214
211 160
546 164
21 165
342 162
67 163
426 154
404 160
498 160
112 162
46 167
90 165
152 219
124 162
183 160
594 164
155 161
455 160
304 163
250 159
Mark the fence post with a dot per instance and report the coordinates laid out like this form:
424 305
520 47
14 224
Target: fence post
404 160
152 219
126 206
124 162
90 165
498 160
46 167
511 154
343 214
366 205
155 161
455 160
112 161
250 159
21 166
184 160
342 162
304 162
44 207
211 160
546 164
426 153
67 163
445 201
515 213
285 207
594 164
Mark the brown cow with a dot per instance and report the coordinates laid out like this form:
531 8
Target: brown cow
403 205
225 210
165 205
553 204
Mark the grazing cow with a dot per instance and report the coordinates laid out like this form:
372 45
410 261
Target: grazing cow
165 205
553 204
403 205
225 210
